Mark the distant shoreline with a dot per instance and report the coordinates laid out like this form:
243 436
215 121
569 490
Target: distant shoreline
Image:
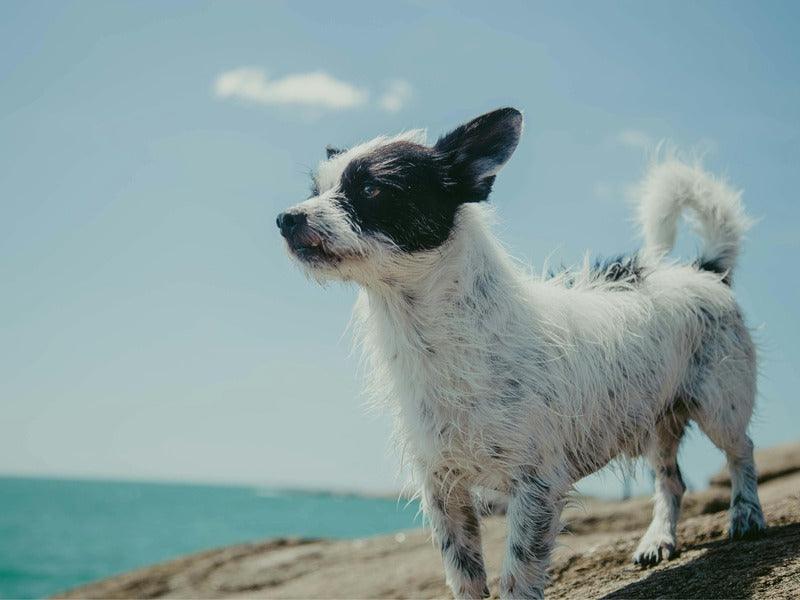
284 489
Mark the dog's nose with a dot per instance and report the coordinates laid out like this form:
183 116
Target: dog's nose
289 222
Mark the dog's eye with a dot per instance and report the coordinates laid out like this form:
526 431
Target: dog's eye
370 191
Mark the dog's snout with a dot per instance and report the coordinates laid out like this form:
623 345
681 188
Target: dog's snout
289 222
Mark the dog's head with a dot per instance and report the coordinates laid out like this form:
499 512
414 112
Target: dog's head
391 198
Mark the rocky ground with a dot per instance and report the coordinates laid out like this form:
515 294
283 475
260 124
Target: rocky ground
593 559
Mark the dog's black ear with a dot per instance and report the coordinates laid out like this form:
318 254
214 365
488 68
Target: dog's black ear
476 151
331 151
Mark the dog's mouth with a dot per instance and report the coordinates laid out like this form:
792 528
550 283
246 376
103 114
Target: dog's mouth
310 247
312 252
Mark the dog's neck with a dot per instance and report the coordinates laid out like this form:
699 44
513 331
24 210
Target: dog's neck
427 296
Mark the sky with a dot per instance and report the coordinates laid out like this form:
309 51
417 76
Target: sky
151 326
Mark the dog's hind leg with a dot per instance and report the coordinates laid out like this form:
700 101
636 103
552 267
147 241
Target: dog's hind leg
747 518
660 541
723 407
727 429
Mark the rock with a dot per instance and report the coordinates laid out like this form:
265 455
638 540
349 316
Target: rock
592 561
771 463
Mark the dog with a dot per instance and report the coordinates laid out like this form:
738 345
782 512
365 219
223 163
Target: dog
505 381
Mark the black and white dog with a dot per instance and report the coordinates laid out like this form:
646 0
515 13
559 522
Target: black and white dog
522 384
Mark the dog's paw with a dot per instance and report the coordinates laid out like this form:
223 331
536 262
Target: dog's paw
651 553
510 589
471 591
747 521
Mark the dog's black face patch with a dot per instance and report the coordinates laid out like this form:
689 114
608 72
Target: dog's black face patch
410 193
401 191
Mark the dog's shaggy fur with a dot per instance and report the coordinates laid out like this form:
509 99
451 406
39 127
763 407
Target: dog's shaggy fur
524 385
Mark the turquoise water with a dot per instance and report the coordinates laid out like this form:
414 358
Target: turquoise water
55 534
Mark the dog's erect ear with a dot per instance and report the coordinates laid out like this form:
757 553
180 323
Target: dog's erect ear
476 151
331 151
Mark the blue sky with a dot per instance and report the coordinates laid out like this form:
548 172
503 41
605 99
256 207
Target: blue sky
151 326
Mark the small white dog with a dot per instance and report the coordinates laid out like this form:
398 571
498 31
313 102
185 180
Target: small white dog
524 385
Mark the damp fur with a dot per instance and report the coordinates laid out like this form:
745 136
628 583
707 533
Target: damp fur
519 384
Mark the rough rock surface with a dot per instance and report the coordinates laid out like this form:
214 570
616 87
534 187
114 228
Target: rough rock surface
772 463
593 559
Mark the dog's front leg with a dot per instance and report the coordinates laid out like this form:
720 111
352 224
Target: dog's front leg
454 521
534 511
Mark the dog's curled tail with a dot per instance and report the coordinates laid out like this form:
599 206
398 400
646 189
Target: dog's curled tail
716 214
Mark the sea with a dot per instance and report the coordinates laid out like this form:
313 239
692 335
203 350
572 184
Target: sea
56 533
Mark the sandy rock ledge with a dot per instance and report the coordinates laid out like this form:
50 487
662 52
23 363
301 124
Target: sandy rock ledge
593 559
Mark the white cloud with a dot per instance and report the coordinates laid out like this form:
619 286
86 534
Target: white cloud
396 96
633 138
317 89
